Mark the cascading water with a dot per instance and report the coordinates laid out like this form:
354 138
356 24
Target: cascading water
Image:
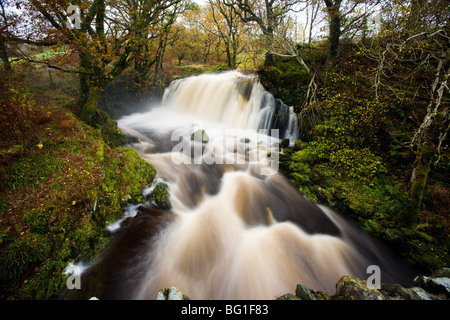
237 228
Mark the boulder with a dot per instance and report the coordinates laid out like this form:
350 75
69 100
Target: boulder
200 136
423 295
171 294
284 143
288 296
352 288
434 285
444 272
301 156
305 293
160 197
394 291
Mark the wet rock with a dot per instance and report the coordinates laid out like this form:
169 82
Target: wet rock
200 136
160 197
171 294
352 288
423 295
288 150
444 272
285 143
434 285
280 156
288 296
305 293
394 291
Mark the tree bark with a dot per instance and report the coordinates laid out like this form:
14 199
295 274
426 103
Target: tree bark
333 9
409 216
4 56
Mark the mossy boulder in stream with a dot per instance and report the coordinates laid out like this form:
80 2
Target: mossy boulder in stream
160 196
200 136
352 288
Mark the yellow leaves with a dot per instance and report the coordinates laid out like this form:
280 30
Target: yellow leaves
40 145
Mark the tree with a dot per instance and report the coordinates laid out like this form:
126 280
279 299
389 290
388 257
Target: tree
111 35
228 28
312 9
342 17
8 22
414 50
150 40
267 14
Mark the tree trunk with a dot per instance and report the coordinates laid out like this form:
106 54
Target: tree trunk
4 56
334 14
335 34
84 67
409 216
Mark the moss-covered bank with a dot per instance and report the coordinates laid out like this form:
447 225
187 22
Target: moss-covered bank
354 155
57 195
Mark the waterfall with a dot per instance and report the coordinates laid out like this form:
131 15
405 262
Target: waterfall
234 100
237 228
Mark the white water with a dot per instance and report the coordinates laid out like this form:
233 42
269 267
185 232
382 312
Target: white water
240 230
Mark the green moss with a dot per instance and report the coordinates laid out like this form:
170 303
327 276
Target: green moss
160 197
299 179
288 296
48 282
299 145
31 170
302 156
200 135
20 255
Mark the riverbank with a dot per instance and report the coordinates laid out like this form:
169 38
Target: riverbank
60 186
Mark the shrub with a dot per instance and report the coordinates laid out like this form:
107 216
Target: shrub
18 113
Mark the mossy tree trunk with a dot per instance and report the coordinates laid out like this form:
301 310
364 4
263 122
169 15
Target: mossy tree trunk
4 55
409 216
334 14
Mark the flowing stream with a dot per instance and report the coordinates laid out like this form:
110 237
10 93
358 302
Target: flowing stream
237 228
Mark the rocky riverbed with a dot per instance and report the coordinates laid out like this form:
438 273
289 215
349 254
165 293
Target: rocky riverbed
433 287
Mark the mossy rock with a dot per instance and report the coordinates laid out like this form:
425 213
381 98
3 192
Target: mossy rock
200 136
299 145
160 197
288 296
352 288
284 143
171 294
302 156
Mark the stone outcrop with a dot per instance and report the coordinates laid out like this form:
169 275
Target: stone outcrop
434 287
160 197
171 294
200 136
